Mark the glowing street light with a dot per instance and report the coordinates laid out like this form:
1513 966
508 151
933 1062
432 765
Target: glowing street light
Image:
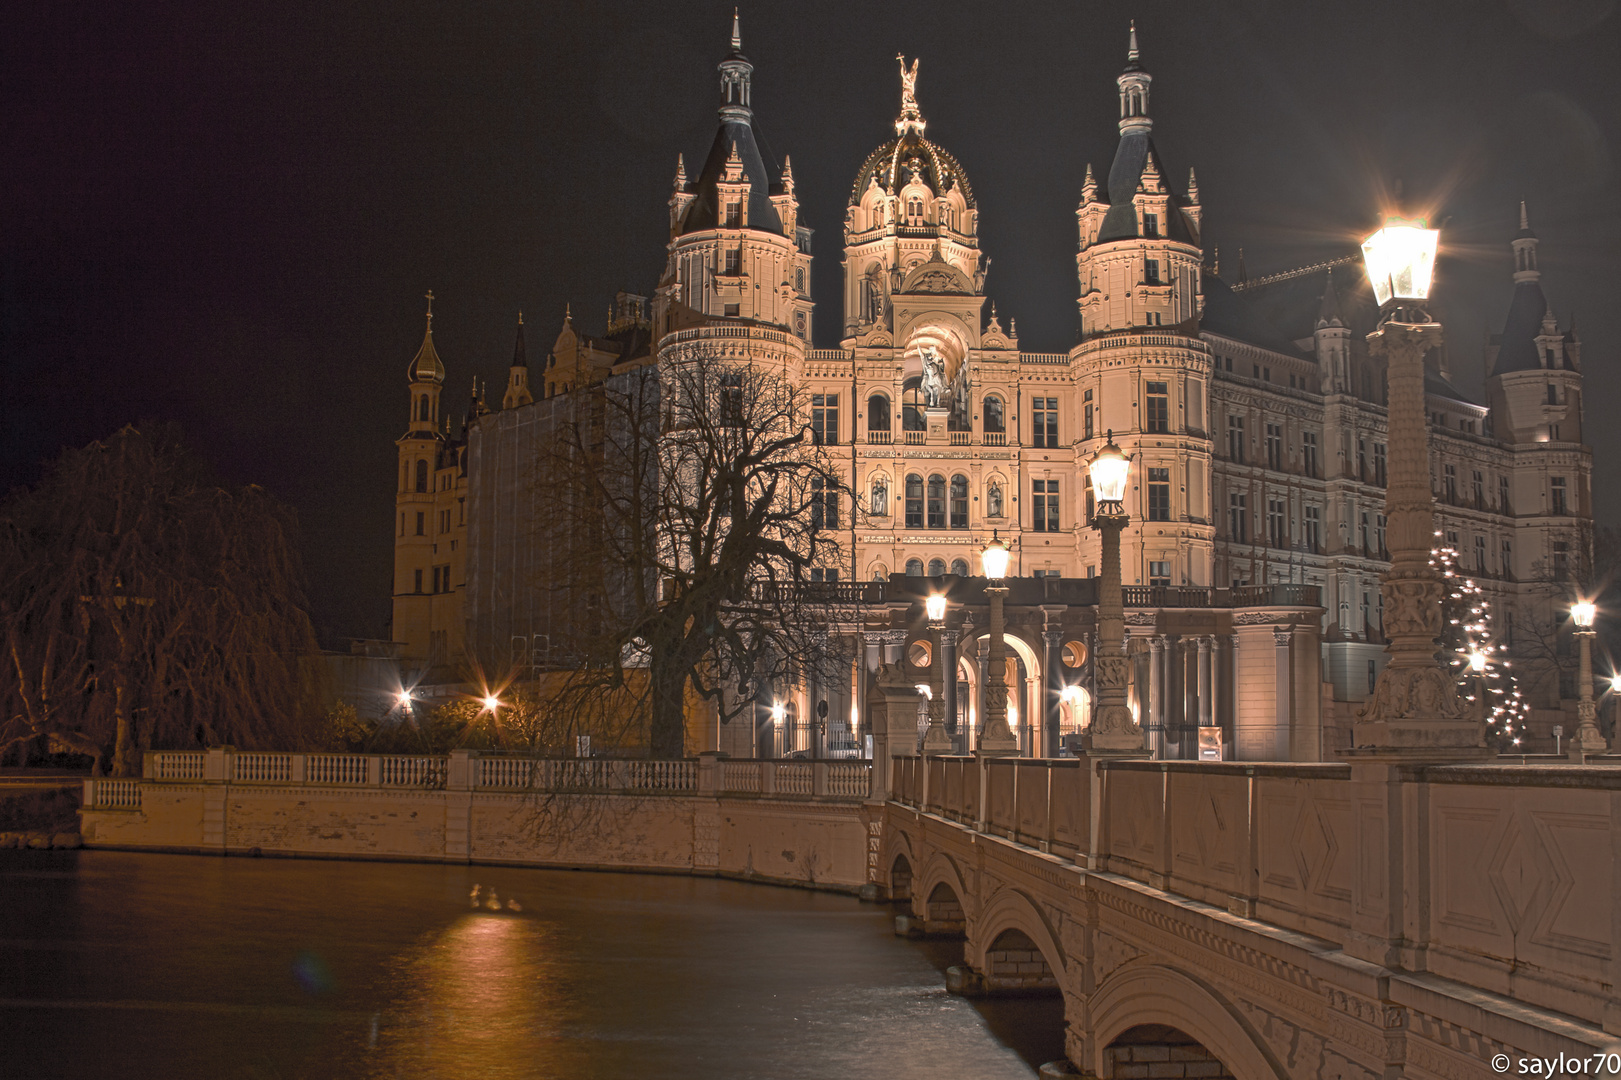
1588 740
1584 613
995 737
778 712
491 702
995 558
1114 730
1615 683
1477 661
936 607
1401 260
1110 469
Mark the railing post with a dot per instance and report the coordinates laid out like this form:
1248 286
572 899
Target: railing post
618 778
218 765
374 770
768 778
149 766
298 768
818 778
708 772
461 771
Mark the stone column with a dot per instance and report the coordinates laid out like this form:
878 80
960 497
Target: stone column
995 739
1156 695
1415 711
1588 740
1283 671
1205 711
948 661
1052 685
935 739
1113 731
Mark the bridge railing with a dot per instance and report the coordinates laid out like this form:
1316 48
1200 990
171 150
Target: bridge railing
471 770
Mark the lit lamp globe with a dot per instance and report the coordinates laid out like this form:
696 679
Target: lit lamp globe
1109 469
995 558
1583 614
1401 260
936 607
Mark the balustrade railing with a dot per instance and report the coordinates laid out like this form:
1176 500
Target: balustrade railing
262 768
112 794
168 765
916 438
995 438
336 768
878 437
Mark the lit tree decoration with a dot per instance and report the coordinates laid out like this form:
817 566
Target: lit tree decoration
1481 662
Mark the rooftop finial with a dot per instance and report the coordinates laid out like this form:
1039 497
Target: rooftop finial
1131 54
1525 222
910 116
429 295
737 31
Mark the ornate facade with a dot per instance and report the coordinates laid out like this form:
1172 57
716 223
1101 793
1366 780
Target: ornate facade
1253 411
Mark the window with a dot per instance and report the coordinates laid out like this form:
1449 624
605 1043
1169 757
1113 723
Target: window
799 280
1150 270
1502 496
1480 554
937 501
830 574
1362 460
423 410
1044 513
1308 453
1507 555
1159 494
994 422
734 262
914 211
1379 536
914 567
1090 501
402 524
1477 486
1553 394
1561 560
1151 228
1044 421
1235 439
1158 418
1373 673
825 419
422 475
734 214
1557 491
1314 529
1277 523
912 418
1364 532
1086 414
418 581
959 502
731 399
878 413
959 567
1159 574
422 524
824 505
1238 521
1449 483
914 501
732 311
937 567
1379 464
1274 447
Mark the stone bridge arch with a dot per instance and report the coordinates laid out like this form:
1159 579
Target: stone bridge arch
1144 993
940 899
1013 947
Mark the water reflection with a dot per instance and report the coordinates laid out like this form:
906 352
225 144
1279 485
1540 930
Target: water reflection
176 966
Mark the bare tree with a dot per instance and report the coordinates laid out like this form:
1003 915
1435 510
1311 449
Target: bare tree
143 606
694 507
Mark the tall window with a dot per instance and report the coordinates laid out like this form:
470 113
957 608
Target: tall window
1449 483
1238 518
423 410
1151 231
799 280
1364 533
1379 463
1502 496
1559 505
1379 536
734 214
878 413
734 261
418 579
937 501
912 417
1044 511
1090 501
1159 494
914 567
1151 272
1159 574
937 567
1235 439
994 422
824 505
914 501
960 568
819 574
1314 529
1362 460
914 211
1086 414
825 419
1480 554
731 399
422 475
1274 447
1277 523
1158 417
421 526
1477 488
1561 560
1308 452
1044 421
959 501
1507 556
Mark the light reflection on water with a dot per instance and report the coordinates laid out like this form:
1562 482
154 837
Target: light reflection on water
118 964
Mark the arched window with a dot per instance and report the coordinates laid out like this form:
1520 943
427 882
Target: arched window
878 413
914 567
912 418
422 409
937 567
914 211
994 422
959 502
914 500
959 567
799 280
878 214
422 473
937 501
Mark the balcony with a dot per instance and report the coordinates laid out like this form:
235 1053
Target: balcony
879 437
916 438
995 438
960 438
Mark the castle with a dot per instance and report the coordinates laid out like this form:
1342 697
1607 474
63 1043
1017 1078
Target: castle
1252 410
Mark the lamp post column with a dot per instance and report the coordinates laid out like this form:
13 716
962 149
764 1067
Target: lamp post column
1112 730
948 680
995 738
1587 740
935 739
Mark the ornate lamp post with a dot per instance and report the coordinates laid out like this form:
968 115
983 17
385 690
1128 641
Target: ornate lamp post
1588 740
1415 710
995 738
1113 730
935 739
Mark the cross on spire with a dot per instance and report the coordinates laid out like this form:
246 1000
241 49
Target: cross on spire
737 31
429 295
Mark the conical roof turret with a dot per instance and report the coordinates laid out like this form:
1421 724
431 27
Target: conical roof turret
426 365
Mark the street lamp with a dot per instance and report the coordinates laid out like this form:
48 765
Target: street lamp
995 737
1415 710
935 739
491 702
1588 740
1113 731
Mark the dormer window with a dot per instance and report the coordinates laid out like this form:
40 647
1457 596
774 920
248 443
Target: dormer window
1151 226
734 215
914 211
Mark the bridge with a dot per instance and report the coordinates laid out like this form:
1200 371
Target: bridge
1252 920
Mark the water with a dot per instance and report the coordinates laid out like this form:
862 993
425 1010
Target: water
116 964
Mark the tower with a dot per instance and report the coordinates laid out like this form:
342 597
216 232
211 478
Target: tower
1141 369
420 451
518 392
737 252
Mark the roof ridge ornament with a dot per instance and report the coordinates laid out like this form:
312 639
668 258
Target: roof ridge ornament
1132 56
737 32
911 118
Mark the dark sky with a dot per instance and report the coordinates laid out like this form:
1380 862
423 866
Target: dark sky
227 216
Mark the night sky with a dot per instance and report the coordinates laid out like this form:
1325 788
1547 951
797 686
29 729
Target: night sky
227 216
